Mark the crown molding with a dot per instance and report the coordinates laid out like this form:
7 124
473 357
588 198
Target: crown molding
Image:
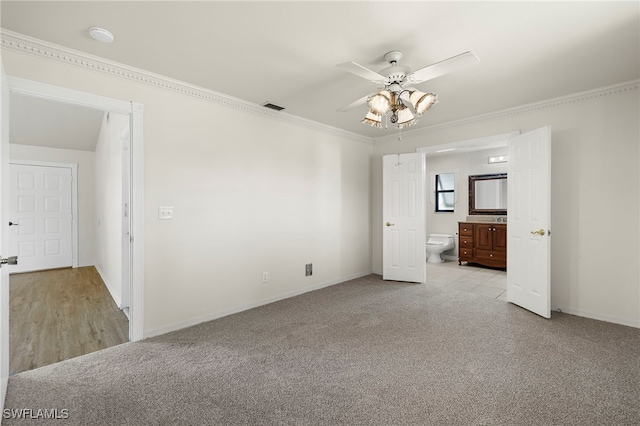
21 43
11 40
575 98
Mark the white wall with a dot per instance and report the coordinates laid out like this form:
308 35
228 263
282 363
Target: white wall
250 194
108 202
86 213
595 144
463 164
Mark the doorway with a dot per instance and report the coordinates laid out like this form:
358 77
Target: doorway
527 217
133 212
456 161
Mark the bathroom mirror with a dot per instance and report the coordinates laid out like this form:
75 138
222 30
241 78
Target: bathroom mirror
488 194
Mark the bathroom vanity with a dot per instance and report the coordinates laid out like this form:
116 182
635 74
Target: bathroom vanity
482 243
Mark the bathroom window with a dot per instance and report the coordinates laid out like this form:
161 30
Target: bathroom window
445 195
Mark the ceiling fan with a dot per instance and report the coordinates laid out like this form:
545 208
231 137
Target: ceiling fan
394 82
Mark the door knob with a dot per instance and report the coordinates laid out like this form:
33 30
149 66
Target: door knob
538 232
13 224
11 260
390 224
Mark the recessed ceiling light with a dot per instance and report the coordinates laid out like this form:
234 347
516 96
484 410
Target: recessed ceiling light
101 34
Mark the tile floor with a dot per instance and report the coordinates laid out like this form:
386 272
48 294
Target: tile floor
469 278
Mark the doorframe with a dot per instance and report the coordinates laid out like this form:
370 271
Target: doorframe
486 142
74 199
135 111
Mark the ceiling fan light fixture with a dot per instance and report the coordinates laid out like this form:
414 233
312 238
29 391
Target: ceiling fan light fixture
380 103
422 102
373 119
393 100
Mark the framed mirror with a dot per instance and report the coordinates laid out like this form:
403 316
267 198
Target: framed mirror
488 194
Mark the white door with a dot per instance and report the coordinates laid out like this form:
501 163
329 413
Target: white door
403 234
40 217
529 221
4 241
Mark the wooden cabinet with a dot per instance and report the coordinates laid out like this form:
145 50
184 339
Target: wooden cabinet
465 243
483 243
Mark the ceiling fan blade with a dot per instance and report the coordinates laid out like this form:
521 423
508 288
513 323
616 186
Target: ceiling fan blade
361 71
357 103
442 67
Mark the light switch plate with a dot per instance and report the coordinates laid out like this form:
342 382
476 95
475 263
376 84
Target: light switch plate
165 213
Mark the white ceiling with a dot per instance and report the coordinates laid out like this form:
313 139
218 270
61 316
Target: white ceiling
286 52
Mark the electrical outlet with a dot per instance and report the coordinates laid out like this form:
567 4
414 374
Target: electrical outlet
308 269
165 213
265 277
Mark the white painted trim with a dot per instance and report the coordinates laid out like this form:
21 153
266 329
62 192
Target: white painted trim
616 320
37 89
135 110
25 44
107 284
239 308
484 142
4 235
74 199
136 300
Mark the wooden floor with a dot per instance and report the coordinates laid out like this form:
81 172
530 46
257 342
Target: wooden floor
60 314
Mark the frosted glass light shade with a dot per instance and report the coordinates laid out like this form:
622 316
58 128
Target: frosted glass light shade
380 103
405 117
421 101
374 120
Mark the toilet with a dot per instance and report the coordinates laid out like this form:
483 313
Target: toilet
436 244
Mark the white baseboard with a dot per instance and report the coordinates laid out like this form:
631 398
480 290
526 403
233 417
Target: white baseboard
114 296
219 314
622 321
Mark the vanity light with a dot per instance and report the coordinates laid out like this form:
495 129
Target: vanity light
499 159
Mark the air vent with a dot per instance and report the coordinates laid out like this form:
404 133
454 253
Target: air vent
272 106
